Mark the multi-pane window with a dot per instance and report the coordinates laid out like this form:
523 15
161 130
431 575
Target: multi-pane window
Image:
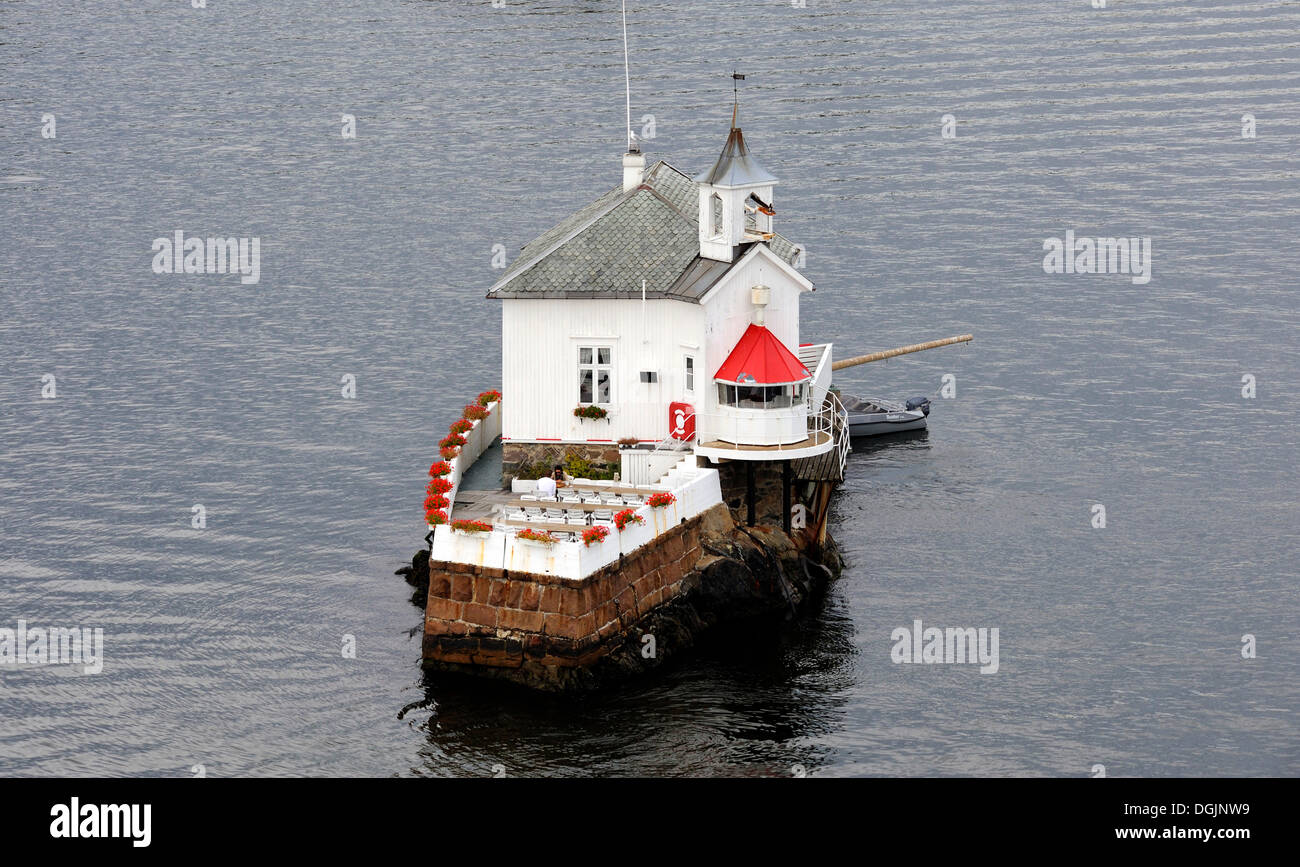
760 396
594 374
690 373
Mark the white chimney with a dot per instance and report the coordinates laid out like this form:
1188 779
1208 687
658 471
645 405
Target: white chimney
761 296
633 168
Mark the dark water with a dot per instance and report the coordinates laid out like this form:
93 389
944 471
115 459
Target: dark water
478 126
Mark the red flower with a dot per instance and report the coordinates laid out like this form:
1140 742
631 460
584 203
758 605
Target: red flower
462 425
453 439
658 501
439 485
625 517
436 501
595 534
435 517
471 526
474 412
489 396
439 468
536 536
449 452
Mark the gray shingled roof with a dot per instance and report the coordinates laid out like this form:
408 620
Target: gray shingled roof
606 249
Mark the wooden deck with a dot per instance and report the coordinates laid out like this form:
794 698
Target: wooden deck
817 439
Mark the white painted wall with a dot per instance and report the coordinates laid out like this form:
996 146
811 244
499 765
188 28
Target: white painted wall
721 246
729 310
539 350
540 340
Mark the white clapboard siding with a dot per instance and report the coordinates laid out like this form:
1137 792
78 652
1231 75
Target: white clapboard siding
539 349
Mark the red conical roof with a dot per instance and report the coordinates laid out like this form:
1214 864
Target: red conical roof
760 359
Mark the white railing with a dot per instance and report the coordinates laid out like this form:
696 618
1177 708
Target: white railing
502 548
477 440
645 467
842 444
758 427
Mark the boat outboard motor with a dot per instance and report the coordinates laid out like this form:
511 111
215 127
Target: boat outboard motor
921 403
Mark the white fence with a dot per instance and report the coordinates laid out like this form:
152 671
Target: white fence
502 549
477 441
644 467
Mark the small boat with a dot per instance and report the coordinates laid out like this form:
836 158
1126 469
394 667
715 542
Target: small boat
871 417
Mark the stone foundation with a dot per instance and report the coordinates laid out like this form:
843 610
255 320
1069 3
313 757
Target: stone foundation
555 633
517 458
535 624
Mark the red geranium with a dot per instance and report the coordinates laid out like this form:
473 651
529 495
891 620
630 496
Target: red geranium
449 452
453 439
474 412
625 517
436 501
435 517
471 526
439 486
595 534
489 396
439 468
536 536
658 501
462 425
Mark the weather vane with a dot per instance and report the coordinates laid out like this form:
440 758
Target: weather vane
736 79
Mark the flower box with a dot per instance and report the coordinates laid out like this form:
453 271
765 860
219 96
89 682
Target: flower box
625 517
594 535
471 526
537 537
662 500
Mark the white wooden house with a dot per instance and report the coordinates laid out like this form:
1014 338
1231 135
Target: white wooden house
673 304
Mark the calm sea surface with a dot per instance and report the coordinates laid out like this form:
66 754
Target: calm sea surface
479 126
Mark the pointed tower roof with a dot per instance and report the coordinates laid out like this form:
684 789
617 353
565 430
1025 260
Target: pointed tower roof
761 359
736 167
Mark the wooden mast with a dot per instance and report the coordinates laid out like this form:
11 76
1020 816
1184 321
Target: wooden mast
902 350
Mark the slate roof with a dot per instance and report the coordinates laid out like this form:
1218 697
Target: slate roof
606 249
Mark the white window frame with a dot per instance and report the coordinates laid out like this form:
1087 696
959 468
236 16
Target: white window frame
689 378
595 367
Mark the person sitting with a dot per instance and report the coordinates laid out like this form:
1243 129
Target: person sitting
546 486
560 477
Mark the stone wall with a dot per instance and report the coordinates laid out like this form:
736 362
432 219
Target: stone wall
516 457
526 625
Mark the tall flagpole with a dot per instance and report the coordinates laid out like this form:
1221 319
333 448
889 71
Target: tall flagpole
627 79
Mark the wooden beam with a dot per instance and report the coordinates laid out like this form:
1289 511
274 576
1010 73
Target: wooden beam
750 492
902 350
785 496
